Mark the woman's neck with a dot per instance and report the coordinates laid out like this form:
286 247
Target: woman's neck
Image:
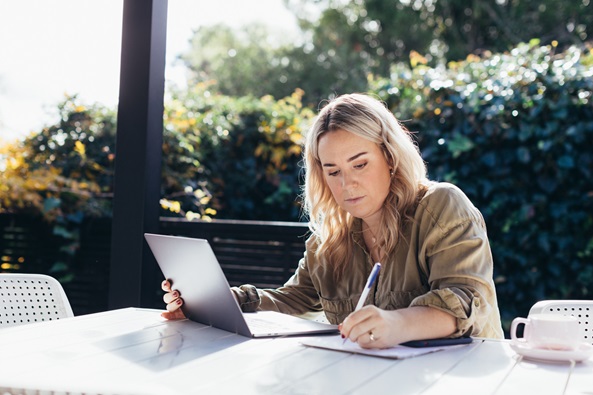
371 227
371 238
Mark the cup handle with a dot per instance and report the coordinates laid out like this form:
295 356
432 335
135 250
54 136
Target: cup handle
516 322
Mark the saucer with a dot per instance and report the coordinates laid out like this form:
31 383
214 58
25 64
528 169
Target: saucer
583 352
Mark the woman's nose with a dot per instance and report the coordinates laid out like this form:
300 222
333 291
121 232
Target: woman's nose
348 180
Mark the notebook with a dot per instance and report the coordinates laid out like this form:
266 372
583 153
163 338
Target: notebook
195 272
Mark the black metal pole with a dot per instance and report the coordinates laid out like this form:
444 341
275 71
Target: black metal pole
138 152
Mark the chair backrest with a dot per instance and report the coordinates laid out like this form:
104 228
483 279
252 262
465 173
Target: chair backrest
581 309
28 298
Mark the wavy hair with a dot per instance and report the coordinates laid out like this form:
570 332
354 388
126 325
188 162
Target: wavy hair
369 118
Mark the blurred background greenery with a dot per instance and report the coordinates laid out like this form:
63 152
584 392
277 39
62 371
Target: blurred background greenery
498 94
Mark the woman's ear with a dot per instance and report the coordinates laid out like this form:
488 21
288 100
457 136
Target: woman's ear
387 156
389 160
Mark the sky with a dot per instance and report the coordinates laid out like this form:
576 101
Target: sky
53 48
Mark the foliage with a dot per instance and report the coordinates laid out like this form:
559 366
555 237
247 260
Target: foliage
334 61
387 30
66 168
243 62
233 157
62 174
515 132
343 43
223 156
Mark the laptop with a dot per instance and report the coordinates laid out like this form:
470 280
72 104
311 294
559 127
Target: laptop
195 272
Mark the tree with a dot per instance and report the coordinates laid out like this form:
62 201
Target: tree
451 29
244 62
343 43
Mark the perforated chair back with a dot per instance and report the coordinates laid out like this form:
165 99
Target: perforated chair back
29 298
581 309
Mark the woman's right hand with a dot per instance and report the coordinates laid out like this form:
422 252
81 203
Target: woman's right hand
173 301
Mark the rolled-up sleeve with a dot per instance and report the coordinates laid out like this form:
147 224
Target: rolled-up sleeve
456 257
470 318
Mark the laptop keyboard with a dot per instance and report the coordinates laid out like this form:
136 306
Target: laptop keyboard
261 325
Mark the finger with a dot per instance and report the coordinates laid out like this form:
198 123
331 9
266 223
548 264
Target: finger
170 297
358 316
360 334
166 286
173 306
369 340
349 323
357 323
173 315
357 332
364 340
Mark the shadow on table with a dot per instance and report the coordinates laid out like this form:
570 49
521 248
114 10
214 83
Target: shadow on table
170 344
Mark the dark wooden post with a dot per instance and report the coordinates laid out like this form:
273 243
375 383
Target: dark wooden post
133 271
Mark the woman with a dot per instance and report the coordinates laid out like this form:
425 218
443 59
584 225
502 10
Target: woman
368 200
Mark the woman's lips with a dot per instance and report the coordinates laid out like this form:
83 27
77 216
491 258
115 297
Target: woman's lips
354 200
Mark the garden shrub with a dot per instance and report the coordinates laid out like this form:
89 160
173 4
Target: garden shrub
515 132
234 158
60 175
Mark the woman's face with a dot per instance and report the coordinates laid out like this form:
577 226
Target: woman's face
356 172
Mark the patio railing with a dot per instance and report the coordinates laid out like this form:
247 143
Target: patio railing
264 254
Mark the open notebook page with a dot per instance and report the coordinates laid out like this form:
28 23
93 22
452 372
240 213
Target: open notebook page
397 352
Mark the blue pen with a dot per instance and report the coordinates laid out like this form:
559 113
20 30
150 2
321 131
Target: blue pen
365 292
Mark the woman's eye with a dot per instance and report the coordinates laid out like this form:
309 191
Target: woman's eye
333 173
360 166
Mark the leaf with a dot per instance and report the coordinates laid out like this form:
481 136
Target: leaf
61 231
76 217
80 148
50 204
58 267
459 144
523 155
566 162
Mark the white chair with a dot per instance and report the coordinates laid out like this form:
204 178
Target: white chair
28 298
581 309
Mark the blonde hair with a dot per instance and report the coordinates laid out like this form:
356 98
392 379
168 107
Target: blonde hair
369 118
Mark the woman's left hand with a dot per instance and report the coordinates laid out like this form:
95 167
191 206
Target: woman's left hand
173 301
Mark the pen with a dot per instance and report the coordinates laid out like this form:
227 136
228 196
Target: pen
365 292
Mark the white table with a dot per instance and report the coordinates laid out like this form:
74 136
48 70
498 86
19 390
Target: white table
134 351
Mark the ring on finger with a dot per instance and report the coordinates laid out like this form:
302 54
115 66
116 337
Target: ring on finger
372 336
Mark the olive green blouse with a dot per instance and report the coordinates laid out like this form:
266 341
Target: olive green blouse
444 262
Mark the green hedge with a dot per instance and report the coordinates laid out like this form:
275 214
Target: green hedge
515 132
233 158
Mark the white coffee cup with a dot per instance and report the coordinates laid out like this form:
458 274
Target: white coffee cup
549 331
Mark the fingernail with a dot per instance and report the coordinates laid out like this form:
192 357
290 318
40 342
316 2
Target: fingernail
343 337
175 294
178 301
